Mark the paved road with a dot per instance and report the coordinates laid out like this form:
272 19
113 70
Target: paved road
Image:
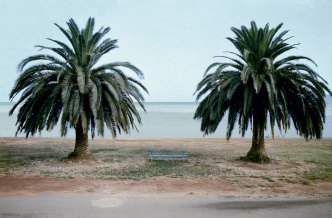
87 206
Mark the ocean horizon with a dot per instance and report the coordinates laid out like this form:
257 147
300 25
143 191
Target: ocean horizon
162 120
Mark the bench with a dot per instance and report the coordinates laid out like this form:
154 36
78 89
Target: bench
168 155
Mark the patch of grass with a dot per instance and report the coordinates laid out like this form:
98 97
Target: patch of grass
6 165
173 169
123 155
248 186
47 173
291 181
129 159
68 177
191 155
305 182
12 158
103 150
226 171
268 179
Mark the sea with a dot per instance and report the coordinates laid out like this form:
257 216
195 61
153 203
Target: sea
162 120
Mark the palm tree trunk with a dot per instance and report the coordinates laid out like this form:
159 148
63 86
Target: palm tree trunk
81 150
257 151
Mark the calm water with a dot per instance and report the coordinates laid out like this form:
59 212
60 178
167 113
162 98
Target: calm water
162 120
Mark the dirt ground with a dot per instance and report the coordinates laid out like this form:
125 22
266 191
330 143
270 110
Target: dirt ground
35 185
230 178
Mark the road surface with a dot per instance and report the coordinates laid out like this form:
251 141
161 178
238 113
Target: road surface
192 207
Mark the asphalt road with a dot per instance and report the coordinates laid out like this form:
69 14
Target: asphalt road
92 206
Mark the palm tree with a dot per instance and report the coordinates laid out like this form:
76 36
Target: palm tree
262 85
71 86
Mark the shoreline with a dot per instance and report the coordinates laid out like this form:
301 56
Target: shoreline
165 138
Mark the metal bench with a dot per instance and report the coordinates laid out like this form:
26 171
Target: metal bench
168 155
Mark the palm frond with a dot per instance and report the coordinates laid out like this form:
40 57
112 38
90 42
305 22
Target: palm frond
70 87
261 84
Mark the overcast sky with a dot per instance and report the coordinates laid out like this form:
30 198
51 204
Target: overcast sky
172 42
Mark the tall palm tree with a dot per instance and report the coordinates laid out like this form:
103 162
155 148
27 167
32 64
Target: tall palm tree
72 88
260 85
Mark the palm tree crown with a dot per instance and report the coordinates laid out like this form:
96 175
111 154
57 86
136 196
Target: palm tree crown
73 88
262 84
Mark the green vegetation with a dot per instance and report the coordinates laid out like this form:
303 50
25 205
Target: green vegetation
296 161
260 85
71 88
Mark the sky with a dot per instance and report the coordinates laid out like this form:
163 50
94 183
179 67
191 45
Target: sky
172 41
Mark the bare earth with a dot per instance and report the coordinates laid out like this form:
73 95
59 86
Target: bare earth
162 187
234 179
